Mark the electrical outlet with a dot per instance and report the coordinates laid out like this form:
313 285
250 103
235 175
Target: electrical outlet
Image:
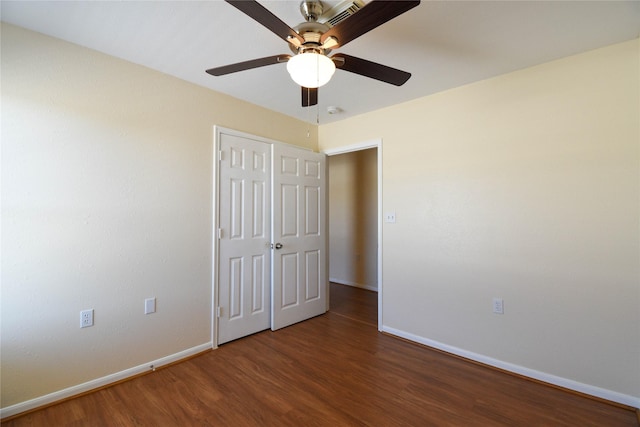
149 305
498 306
86 318
390 217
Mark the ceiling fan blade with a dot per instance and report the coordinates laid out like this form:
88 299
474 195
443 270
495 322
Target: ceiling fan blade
370 69
309 96
247 65
374 14
262 15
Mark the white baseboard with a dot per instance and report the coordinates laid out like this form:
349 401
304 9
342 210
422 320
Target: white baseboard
354 284
602 393
99 382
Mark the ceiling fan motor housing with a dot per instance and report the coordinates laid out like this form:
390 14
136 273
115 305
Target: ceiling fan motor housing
311 32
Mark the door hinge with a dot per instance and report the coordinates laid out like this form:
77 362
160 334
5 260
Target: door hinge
218 311
220 155
219 233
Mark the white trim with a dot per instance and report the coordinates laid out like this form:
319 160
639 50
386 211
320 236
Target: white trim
380 280
99 382
353 284
373 143
591 390
215 245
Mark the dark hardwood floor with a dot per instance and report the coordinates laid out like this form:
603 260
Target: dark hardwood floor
332 370
354 303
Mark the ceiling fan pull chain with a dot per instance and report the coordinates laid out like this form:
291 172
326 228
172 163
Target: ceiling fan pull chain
308 123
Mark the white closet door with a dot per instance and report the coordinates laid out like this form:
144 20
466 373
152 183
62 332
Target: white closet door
299 267
244 260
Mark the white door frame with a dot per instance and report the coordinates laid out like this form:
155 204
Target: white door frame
374 143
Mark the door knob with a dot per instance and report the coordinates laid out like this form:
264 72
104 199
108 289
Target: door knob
278 245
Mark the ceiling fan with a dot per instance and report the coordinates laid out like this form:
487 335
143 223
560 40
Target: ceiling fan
312 41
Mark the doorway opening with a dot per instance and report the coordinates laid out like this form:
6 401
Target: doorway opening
355 230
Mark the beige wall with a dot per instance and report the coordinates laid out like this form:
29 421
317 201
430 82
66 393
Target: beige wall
353 219
525 187
106 201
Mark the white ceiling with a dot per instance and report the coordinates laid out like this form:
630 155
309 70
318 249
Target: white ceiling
443 44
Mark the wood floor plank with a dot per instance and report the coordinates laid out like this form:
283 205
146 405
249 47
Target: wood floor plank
333 370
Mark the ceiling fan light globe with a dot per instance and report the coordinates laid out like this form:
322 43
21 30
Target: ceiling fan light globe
311 70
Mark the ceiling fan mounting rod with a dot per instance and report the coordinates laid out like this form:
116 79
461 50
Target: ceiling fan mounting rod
311 10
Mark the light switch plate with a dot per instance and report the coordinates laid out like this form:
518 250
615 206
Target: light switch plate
149 305
498 306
